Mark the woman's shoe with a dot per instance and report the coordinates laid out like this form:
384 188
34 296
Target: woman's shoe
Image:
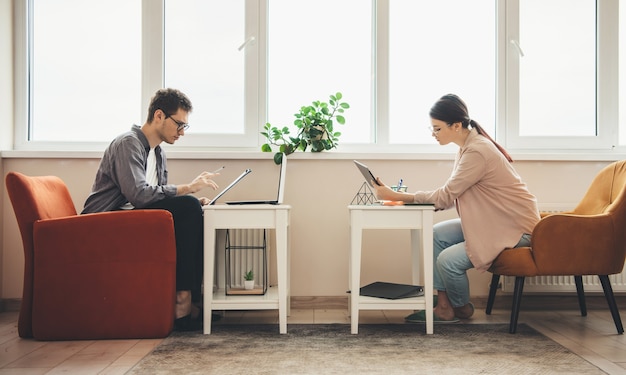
435 299
420 317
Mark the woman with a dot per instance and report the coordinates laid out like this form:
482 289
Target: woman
496 211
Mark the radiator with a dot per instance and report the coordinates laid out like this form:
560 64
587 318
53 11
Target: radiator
246 249
563 284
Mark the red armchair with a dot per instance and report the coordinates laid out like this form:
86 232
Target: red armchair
109 275
590 240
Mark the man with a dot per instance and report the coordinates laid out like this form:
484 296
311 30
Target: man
133 175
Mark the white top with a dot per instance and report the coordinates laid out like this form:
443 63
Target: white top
151 169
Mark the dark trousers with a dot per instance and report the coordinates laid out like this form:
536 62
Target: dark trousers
188 226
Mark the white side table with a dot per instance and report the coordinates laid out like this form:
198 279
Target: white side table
262 216
419 220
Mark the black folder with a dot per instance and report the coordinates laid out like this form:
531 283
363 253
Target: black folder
386 290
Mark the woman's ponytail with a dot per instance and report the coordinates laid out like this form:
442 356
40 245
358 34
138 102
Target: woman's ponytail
482 132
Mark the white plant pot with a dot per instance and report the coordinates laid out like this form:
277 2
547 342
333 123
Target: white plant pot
248 284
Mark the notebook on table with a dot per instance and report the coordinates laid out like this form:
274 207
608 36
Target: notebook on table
279 194
241 176
386 290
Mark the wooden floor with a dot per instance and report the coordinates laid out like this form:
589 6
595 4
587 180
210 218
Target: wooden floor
593 338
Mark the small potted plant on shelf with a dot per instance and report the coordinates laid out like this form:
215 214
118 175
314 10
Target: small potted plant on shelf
315 129
248 280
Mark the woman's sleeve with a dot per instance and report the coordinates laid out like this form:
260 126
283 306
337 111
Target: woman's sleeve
468 171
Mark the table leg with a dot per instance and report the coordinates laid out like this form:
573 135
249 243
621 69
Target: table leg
355 276
427 253
282 269
209 268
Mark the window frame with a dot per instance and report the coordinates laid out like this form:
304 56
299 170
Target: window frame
152 79
254 47
507 125
607 110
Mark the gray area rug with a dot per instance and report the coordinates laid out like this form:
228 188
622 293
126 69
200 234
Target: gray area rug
377 349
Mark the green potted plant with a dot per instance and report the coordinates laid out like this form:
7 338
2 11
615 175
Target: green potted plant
248 282
315 129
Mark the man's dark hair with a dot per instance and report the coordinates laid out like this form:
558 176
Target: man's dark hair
169 101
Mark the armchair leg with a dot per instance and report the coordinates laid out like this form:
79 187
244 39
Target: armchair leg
610 298
517 299
495 280
581 295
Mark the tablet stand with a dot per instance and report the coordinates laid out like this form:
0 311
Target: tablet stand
364 196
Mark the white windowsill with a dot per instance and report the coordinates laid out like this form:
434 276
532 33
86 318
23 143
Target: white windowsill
332 155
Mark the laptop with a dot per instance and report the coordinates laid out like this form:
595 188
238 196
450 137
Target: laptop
367 174
280 193
241 176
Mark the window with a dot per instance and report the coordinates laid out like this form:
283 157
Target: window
310 58
85 76
209 44
537 74
553 61
436 48
559 61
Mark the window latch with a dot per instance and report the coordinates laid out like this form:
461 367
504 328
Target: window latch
518 47
250 40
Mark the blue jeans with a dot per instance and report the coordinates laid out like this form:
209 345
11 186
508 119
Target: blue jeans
451 261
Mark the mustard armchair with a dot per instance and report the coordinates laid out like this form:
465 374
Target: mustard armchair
109 275
590 240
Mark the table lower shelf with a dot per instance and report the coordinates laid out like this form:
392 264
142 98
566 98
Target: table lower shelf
374 303
268 301
247 292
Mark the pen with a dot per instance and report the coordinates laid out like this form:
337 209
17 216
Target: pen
399 185
218 169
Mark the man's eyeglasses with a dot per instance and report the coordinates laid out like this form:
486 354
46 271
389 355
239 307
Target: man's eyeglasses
180 125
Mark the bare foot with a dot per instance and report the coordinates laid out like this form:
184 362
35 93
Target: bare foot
183 303
464 312
444 314
443 309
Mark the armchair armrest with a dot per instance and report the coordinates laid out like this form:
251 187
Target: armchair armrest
567 244
121 235
543 214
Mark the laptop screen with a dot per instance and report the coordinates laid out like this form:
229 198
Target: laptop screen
241 176
281 189
367 174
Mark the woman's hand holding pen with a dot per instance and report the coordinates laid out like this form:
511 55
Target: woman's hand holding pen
385 193
382 191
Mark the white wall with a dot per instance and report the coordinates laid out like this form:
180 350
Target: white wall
319 192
